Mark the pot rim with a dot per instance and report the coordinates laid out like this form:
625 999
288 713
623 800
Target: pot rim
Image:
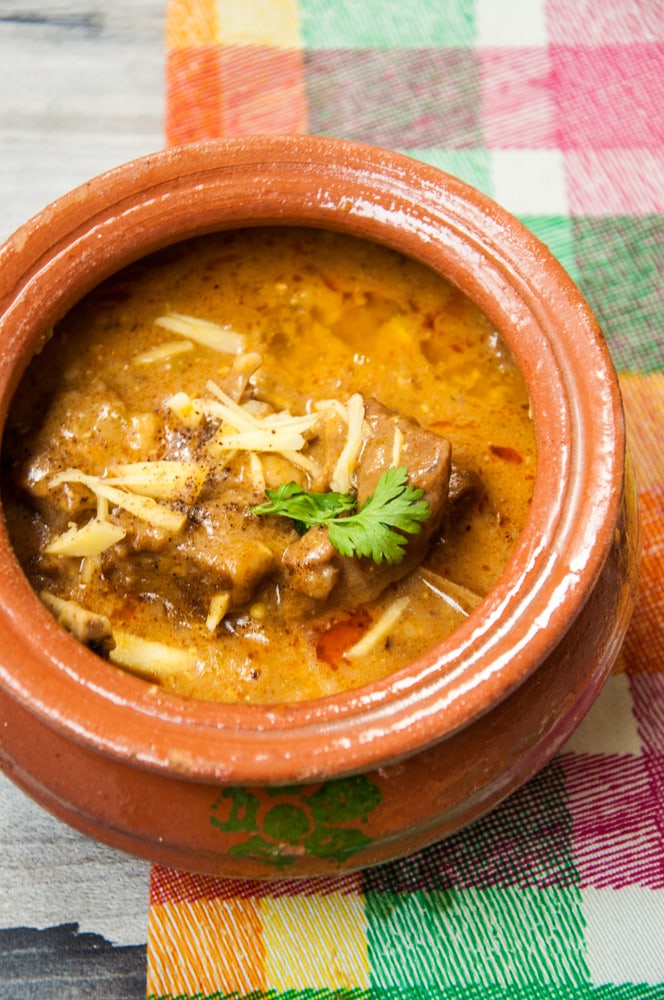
141 206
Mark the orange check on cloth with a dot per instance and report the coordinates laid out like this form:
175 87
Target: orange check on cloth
555 109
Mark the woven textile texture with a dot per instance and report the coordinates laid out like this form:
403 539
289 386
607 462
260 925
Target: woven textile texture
555 108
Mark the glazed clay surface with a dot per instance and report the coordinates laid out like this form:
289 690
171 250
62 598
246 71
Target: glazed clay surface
388 768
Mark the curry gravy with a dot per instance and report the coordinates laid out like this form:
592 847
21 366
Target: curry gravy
318 318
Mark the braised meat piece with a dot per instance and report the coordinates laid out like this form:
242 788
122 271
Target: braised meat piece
223 548
466 488
426 455
315 568
231 547
312 564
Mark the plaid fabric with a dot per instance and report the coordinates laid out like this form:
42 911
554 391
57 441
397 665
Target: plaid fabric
556 109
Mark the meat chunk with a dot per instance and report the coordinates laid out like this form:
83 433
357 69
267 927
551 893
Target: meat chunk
396 440
426 455
223 548
311 564
89 428
229 556
317 569
466 488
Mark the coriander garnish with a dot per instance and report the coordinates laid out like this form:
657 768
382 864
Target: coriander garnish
377 529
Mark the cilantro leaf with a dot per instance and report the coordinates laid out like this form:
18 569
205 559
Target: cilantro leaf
377 530
305 509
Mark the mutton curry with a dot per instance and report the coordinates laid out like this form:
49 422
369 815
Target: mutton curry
268 465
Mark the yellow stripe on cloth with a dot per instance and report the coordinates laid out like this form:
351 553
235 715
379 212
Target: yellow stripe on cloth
271 23
314 941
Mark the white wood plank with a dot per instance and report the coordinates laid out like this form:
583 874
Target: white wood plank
81 90
50 875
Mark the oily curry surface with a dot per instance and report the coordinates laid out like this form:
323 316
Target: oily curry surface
168 402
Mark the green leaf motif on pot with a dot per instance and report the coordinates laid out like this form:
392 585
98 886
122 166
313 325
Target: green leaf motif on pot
322 822
286 822
343 800
244 808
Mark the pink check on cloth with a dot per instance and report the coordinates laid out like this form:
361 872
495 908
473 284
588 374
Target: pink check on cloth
555 108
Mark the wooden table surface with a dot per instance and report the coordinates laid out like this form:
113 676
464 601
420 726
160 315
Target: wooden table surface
81 90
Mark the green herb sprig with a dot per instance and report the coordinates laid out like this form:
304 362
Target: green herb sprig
378 529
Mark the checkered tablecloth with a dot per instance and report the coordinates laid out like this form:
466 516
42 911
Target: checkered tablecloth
555 108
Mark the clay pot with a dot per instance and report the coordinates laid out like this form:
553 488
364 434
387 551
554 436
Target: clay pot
347 781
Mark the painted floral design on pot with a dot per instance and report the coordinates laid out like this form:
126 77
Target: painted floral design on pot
282 824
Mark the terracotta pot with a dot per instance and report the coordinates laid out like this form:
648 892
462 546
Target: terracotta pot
348 781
